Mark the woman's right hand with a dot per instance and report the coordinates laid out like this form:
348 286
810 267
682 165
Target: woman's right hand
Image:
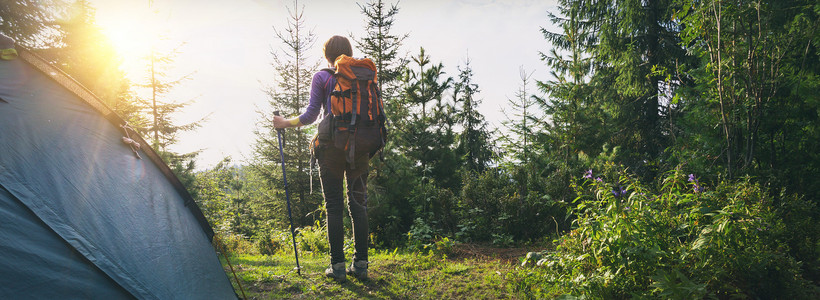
280 122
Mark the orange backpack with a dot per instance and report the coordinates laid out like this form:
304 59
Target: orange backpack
356 122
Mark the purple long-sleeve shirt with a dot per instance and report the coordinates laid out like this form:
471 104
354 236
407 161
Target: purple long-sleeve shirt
320 87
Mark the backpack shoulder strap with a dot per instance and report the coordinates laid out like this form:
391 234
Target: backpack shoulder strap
329 88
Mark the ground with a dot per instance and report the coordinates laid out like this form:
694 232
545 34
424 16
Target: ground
465 271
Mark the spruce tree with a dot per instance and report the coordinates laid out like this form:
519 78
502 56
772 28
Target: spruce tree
519 119
637 51
750 105
517 141
162 130
474 143
381 45
90 58
626 52
568 96
422 134
31 23
392 181
290 95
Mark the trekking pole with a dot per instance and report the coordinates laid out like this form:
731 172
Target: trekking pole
279 133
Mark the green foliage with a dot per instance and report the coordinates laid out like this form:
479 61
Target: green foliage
274 241
31 22
677 238
309 239
381 45
487 207
289 94
313 238
421 234
89 57
755 61
474 142
389 208
233 244
228 196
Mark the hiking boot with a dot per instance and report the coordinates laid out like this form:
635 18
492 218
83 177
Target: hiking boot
358 269
337 272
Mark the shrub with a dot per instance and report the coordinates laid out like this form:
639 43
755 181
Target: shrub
313 238
494 207
679 239
273 241
420 234
233 244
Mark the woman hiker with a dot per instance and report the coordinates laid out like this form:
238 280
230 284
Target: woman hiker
334 168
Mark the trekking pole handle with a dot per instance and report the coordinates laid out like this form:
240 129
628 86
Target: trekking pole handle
276 113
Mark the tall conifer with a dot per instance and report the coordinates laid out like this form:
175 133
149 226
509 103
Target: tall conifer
289 95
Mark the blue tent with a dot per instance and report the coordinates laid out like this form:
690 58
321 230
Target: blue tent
83 214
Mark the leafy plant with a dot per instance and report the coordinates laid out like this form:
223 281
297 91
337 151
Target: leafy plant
314 238
679 239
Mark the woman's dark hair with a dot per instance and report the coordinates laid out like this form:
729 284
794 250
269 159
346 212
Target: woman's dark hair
335 46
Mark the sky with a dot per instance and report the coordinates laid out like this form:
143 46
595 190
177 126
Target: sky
227 45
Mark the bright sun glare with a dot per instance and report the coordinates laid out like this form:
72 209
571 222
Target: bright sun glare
132 32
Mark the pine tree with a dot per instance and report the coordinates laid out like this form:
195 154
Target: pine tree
162 131
424 86
637 52
89 57
519 122
758 63
31 23
381 45
290 96
474 145
569 96
420 88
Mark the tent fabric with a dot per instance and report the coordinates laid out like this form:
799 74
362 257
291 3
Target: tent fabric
81 214
66 272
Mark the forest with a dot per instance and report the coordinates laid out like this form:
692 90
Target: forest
672 153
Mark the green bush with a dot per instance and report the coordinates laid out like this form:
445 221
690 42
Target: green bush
421 234
273 241
679 239
233 244
495 207
313 238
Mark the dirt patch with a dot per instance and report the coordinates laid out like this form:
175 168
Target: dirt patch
506 255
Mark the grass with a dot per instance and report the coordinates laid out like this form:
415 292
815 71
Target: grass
393 275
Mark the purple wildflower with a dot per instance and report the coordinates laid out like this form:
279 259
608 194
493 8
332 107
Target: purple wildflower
598 179
618 191
692 178
588 174
696 185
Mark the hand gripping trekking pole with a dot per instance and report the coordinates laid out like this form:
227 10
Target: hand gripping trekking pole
279 133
